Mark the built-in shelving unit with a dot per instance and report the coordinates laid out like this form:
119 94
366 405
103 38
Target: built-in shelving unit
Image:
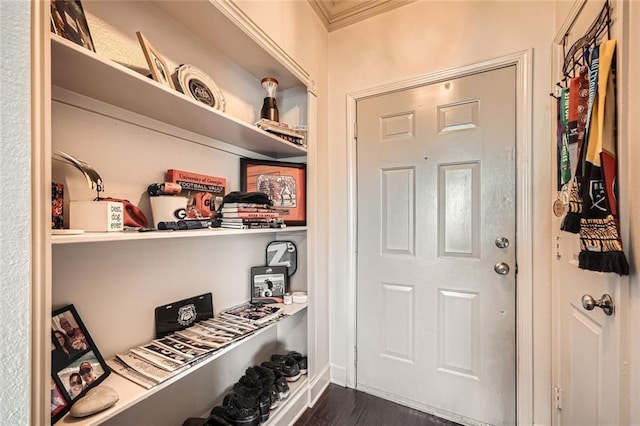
130 393
102 110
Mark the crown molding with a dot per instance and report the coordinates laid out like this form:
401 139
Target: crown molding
336 14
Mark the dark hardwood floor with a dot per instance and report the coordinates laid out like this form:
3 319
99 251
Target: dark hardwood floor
346 407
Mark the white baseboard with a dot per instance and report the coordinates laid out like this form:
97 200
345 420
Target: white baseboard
306 397
338 375
318 385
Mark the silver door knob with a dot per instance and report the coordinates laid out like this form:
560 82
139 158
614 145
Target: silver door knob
606 303
501 268
502 242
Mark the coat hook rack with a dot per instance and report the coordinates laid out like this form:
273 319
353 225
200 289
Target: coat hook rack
600 26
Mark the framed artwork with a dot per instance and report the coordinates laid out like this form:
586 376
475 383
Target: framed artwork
268 284
76 363
69 21
159 69
284 183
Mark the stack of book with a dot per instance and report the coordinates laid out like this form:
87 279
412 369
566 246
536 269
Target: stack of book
251 216
296 134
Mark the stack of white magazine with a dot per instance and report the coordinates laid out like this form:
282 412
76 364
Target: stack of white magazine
163 358
258 314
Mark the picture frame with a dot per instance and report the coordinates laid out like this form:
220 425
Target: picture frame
268 284
284 183
157 65
76 363
69 21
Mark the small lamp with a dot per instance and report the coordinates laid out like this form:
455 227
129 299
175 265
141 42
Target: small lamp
270 106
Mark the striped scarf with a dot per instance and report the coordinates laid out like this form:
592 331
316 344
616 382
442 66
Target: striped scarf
600 244
578 105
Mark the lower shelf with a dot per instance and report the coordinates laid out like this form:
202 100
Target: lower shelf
287 408
130 393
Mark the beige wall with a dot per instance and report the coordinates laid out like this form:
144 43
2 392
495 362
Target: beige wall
295 27
421 38
15 219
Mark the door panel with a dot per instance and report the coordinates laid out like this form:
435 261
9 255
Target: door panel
588 341
436 187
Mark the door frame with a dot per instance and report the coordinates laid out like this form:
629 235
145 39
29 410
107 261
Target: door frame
524 210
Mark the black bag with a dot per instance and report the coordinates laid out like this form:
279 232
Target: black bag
247 197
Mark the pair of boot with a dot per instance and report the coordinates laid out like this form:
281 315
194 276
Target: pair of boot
257 392
231 413
291 365
250 402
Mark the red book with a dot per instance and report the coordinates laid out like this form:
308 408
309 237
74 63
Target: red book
196 181
205 193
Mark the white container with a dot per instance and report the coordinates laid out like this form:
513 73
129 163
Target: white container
168 208
96 216
299 297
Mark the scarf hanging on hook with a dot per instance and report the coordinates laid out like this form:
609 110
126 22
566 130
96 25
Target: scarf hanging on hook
578 105
600 244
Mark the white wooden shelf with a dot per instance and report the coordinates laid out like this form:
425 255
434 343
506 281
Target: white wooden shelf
77 73
215 22
130 393
99 237
81 71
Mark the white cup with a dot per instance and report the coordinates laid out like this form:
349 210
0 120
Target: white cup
168 208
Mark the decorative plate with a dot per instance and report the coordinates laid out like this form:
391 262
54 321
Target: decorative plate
197 85
283 253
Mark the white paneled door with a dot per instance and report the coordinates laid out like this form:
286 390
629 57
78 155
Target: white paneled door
588 368
436 247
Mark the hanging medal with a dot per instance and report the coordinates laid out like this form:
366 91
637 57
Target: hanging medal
558 208
565 158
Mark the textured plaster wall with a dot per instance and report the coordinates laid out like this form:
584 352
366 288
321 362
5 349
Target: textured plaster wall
15 212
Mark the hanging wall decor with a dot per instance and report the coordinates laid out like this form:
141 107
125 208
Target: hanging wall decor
69 21
587 145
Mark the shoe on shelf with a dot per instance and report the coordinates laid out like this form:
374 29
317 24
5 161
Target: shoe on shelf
243 397
279 382
287 366
236 415
241 416
217 413
267 381
300 359
253 390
